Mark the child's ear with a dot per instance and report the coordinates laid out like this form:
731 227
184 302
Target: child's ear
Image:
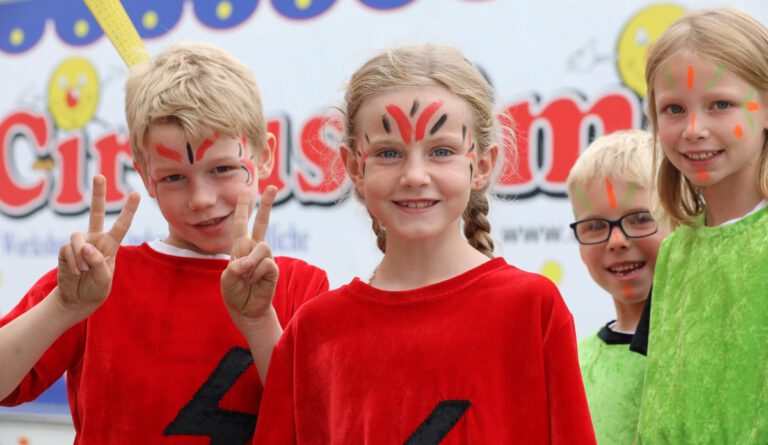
266 156
352 164
144 179
486 162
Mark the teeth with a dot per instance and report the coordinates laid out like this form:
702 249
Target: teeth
212 222
416 205
700 156
626 268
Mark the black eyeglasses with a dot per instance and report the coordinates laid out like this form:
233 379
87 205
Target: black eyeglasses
598 230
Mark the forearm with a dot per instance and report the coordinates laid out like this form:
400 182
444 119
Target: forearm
25 339
261 334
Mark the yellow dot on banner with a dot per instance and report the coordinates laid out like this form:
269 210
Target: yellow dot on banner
224 10
149 20
552 270
81 28
17 37
303 4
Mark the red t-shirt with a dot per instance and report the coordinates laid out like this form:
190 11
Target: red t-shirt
486 357
160 362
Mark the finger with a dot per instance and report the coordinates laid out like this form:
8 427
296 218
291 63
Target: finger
261 223
240 224
267 271
125 218
78 241
98 199
100 272
67 256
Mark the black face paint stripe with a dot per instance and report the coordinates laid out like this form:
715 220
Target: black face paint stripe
385 122
189 154
247 174
463 133
414 107
240 152
438 124
367 139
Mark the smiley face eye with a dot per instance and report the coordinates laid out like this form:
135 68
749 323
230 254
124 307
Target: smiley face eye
641 37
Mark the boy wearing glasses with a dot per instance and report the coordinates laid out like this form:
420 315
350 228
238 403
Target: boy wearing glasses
610 188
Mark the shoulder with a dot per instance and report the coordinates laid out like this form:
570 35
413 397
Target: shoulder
296 268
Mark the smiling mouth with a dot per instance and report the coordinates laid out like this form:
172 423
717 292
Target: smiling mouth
416 204
702 156
211 222
626 268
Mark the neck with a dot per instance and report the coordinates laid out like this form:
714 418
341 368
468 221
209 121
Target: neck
627 315
410 264
727 200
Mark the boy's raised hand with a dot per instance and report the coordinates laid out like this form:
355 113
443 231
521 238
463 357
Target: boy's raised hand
248 283
87 261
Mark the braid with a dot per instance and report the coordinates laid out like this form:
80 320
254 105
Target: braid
477 227
381 233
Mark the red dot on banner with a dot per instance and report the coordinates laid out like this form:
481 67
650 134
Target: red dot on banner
738 131
23 441
702 174
753 106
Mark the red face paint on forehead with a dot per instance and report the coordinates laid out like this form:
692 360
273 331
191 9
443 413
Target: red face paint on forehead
690 77
205 146
404 123
168 153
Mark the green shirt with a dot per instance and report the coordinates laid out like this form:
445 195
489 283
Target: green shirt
613 380
707 370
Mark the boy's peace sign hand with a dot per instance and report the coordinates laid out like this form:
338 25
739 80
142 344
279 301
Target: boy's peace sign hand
87 261
248 283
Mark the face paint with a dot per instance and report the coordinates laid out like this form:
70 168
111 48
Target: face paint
702 175
189 154
404 123
749 103
205 146
690 77
738 131
166 152
715 78
630 194
583 198
246 163
609 191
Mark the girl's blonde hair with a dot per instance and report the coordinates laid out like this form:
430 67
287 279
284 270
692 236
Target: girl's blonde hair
728 38
199 87
423 66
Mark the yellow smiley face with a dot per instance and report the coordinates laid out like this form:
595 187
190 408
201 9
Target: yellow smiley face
643 29
73 93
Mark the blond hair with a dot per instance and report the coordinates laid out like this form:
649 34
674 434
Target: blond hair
424 66
728 38
199 87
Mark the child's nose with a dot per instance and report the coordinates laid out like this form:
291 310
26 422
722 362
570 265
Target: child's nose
415 173
202 196
696 127
617 239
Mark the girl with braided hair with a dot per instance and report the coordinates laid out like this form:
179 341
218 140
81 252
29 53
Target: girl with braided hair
445 343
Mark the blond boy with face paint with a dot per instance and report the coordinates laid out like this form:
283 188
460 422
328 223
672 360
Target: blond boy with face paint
150 350
610 188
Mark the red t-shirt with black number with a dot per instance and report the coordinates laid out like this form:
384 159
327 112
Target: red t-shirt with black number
160 362
487 357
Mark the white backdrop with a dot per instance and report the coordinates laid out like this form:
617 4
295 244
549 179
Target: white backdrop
555 64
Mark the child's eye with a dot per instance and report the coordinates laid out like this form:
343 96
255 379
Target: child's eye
640 219
594 225
223 169
442 152
387 154
721 105
674 109
172 178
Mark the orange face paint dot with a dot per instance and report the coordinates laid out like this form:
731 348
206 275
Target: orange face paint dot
627 290
752 106
738 131
703 175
